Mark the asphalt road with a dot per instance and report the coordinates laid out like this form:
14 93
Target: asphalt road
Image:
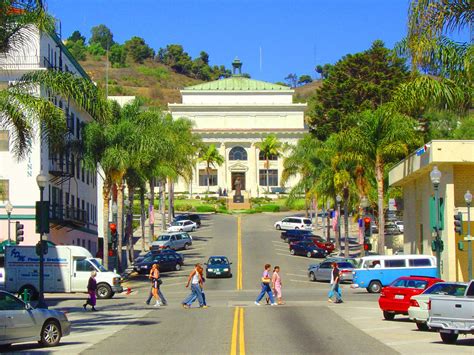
306 324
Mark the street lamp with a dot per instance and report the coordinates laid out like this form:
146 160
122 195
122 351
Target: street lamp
338 200
9 209
468 199
435 176
42 181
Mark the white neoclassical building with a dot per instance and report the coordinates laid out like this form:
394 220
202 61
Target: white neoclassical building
234 114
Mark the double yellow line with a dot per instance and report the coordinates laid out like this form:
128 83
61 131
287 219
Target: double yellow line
239 253
238 330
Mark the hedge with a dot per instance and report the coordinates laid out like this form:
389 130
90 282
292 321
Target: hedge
270 208
205 208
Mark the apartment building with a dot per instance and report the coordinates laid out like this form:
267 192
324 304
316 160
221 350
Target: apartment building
71 189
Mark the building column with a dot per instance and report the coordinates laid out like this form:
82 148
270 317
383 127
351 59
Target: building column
222 170
252 173
449 269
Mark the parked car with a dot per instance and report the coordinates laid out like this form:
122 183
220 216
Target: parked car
175 241
418 310
452 315
167 262
294 233
218 266
153 253
189 216
376 271
307 248
395 298
294 223
391 229
399 225
300 237
323 243
353 261
25 323
322 272
182 226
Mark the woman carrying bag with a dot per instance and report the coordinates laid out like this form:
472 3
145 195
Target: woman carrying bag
266 289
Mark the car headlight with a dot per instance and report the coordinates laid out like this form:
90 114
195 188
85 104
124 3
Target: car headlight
226 269
210 270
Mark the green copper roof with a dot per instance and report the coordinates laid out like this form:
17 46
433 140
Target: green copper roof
237 83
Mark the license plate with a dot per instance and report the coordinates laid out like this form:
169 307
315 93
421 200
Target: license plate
399 297
218 272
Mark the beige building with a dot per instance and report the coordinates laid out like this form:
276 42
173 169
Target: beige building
455 160
234 114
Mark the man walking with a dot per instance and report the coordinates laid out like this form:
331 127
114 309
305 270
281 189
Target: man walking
335 280
266 289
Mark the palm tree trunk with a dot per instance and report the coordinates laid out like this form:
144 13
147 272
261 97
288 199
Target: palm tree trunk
268 178
336 232
346 227
120 188
163 204
142 215
379 178
208 168
105 221
152 203
170 200
129 225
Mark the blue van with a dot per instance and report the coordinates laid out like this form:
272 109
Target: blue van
374 272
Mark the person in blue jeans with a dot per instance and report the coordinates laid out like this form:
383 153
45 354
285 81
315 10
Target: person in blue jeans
201 270
195 280
335 280
266 289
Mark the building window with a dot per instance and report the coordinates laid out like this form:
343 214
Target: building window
261 156
87 215
82 172
72 119
73 165
237 153
272 177
87 180
212 177
78 128
4 140
4 190
78 168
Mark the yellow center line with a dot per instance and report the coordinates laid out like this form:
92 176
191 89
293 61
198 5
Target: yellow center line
239 253
238 329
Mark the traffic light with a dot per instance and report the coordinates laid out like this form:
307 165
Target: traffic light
367 227
367 246
113 234
437 244
458 223
19 232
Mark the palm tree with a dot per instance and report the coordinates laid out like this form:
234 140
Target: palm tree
211 157
381 137
270 147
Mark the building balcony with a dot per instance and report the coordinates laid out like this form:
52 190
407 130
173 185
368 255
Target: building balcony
67 215
61 167
24 62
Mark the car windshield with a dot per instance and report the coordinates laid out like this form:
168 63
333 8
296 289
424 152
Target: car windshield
307 221
446 289
218 261
163 237
98 265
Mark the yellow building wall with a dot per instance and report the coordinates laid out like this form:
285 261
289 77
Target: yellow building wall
462 255
463 181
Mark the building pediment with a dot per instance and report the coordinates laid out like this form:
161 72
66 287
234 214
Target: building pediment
238 167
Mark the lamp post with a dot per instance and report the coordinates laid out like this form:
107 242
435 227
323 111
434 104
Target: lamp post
468 199
9 209
42 181
338 240
435 176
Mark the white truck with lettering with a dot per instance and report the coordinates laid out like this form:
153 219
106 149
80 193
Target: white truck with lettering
66 269
452 315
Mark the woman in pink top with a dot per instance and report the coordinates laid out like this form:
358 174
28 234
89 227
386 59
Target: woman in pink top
276 283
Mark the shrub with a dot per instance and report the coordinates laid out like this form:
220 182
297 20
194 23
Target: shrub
205 208
183 207
270 208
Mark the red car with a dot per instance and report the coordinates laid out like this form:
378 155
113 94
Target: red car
395 298
323 244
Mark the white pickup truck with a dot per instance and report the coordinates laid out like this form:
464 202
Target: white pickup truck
452 315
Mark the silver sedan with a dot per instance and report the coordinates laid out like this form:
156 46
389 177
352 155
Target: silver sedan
19 322
322 272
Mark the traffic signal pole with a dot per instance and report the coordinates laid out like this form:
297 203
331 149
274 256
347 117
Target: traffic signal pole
41 302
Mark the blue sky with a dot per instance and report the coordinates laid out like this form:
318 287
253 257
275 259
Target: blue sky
294 35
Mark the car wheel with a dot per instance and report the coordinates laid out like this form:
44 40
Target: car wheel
422 326
186 246
278 227
312 276
375 287
181 230
103 291
177 267
388 315
193 229
50 333
296 228
292 251
449 338
30 291
308 254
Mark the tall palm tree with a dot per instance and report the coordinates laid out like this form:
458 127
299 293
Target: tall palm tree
211 157
269 147
381 137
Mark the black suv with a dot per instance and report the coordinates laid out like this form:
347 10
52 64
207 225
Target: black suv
189 216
